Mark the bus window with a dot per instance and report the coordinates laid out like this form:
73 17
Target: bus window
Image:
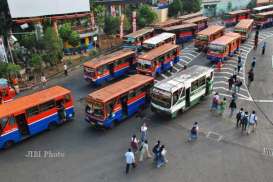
110 107
101 70
3 123
46 106
131 94
194 85
98 109
32 111
12 121
202 81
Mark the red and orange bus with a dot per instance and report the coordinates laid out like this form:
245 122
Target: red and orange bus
204 37
116 102
158 60
190 16
6 92
201 22
134 40
264 20
32 114
244 27
107 67
168 23
233 17
184 32
224 46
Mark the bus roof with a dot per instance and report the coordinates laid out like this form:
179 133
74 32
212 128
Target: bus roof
265 13
97 62
25 102
158 38
139 32
244 24
196 19
189 16
227 38
263 7
158 51
239 11
179 27
167 23
183 78
211 29
116 89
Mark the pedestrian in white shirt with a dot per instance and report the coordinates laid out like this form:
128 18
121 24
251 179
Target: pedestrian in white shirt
43 80
252 122
65 69
143 132
130 160
144 150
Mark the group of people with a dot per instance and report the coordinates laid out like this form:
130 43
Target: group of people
246 121
219 105
235 83
142 148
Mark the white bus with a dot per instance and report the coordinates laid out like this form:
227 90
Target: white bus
159 40
182 90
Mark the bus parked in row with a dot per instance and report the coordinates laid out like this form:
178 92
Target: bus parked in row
135 40
262 9
159 40
182 90
32 114
184 32
244 28
6 92
264 20
204 37
224 46
107 67
201 22
190 16
158 60
168 23
233 17
116 102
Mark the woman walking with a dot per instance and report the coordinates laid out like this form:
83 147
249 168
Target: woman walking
232 107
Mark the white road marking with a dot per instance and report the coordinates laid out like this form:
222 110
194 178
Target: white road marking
164 76
223 88
175 68
183 56
241 98
246 45
223 72
262 101
189 54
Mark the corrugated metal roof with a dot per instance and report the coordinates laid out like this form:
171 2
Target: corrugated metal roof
239 11
178 27
244 24
211 29
196 19
227 38
159 38
140 32
263 7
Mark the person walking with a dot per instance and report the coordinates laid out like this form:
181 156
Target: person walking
130 160
252 122
215 102
223 105
250 77
43 80
171 66
65 69
144 132
232 107
144 150
239 117
238 85
263 48
245 121
194 132
253 63
134 144
230 83
239 66
163 158
156 151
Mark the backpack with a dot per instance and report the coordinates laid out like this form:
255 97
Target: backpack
245 119
194 130
238 116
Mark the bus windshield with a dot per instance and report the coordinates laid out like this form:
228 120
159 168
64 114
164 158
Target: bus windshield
239 30
202 37
95 109
3 123
161 98
143 64
129 40
217 48
90 71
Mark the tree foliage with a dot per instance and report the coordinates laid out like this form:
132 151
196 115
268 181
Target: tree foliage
252 4
8 70
112 24
175 8
74 39
99 13
145 16
36 62
229 6
191 6
65 31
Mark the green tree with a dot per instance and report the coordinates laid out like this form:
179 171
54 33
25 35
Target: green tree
74 39
36 62
7 70
99 13
175 8
65 31
127 24
191 6
252 4
229 6
145 16
28 41
112 24
53 46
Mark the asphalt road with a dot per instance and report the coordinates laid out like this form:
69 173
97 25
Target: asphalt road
84 154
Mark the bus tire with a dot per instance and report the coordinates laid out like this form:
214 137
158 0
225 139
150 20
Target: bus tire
52 126
8 144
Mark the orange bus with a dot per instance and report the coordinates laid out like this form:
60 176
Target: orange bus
158 60
204 37
224 46
32 114
264 20
167 23
190 16
134 40
201 22
107 67
244 27
116 102
233 17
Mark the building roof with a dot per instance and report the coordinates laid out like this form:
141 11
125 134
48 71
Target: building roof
114 90
227 38
23 103
105 59
239 11
139 32
265 13
189 16
183 78
263 7
158 38
211 29
244 24
196 19
168 23
158 51
178 27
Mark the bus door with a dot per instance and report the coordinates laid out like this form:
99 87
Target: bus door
60 104
188 93
124 106
21 121
111 67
